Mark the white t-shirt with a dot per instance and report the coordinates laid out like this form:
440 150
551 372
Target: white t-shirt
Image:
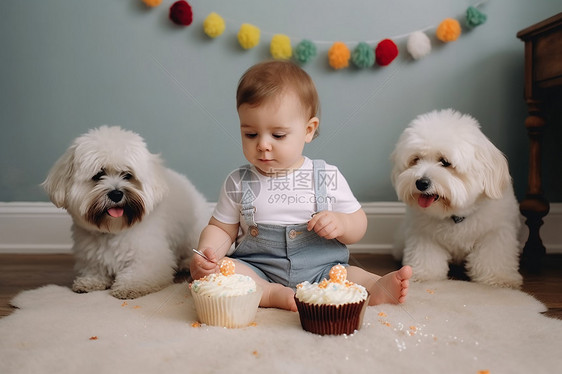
284 200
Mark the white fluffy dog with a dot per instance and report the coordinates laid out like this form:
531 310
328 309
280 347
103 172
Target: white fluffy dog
134 221
460 201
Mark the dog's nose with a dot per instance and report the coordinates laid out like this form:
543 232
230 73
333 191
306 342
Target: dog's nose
115 196
423 183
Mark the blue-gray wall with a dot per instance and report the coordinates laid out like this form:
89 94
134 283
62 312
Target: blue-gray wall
70 65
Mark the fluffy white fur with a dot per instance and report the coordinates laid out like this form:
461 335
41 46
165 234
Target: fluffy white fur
134 221
445 168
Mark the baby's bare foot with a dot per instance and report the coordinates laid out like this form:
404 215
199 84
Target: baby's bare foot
278 296
391 288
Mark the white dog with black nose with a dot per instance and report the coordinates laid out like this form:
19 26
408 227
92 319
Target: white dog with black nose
460 201
134 221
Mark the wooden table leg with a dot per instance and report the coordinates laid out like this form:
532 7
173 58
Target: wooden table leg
535 206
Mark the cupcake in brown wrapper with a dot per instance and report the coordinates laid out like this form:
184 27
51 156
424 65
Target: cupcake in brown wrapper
332 307
332 319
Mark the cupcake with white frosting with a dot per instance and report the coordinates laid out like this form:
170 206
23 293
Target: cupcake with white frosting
332 307
226 299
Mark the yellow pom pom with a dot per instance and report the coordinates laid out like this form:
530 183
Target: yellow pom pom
339 55
248 36
449 30
213 25
152 3
280 47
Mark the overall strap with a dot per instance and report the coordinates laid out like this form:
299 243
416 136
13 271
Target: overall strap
320 188
247 201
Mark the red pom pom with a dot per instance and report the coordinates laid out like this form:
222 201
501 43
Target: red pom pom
386 52
181 13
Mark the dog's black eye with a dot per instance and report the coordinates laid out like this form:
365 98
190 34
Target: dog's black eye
98 176
444 162
127 176
414 161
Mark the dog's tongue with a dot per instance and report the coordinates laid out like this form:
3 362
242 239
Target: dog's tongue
115 212
426 200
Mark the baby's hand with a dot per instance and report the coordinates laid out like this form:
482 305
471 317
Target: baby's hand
200 267
326 224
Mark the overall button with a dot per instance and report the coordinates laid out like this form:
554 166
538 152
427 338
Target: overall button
292 234
254 231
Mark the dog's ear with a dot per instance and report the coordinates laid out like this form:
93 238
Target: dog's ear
399 156
155 183
59 177
396 168
496 175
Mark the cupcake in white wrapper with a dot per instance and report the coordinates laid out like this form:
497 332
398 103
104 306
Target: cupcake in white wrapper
226 299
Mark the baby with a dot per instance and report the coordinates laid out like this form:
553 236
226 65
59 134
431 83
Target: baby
290 217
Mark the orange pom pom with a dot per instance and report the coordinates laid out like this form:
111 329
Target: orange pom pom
339 55
338 274
152 3
448 30
227 267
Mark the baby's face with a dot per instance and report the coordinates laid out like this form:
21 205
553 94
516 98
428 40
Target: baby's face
274 133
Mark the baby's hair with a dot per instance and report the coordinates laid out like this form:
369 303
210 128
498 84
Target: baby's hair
269 79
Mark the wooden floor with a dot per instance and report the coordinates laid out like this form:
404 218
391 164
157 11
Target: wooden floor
24 272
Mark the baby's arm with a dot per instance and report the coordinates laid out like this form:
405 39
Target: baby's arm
346 228
215 241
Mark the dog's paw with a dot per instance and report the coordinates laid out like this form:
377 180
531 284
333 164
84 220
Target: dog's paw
123 292
422 273
89 284
424 277
497 277
514 281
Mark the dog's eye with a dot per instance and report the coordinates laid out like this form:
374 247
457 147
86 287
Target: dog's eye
414 161
127 176
444 162
98 176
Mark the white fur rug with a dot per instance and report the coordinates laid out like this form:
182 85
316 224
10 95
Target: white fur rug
444 327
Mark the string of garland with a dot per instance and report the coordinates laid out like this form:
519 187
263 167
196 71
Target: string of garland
418 44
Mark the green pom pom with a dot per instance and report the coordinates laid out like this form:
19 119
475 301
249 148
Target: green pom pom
474 17
363 56
305 51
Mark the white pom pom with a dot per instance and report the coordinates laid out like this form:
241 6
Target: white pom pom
418 44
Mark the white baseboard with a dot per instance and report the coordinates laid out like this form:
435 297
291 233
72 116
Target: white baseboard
29 227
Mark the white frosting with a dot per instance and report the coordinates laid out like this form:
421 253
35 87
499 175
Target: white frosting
333 294
216 285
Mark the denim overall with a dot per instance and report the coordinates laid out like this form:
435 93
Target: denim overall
288 254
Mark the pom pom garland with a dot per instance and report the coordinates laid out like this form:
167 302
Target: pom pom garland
280 47
152 3
474 17
385 52
363 56
305 51
448 30
248 36
181 13
213 25
418 45
338 55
